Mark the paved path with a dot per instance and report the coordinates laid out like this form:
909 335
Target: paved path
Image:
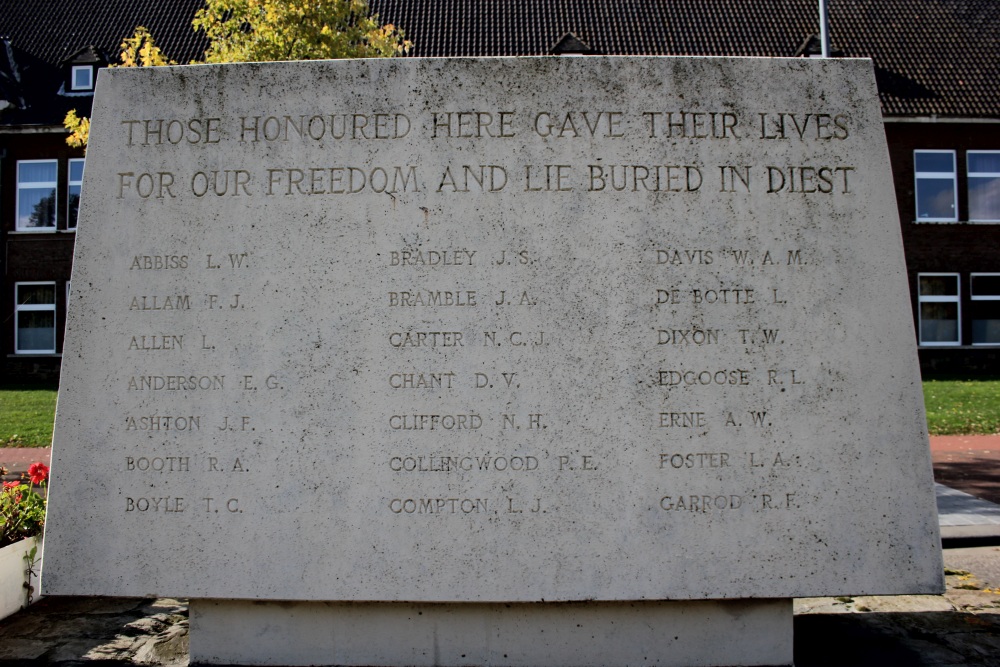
970 463
966 520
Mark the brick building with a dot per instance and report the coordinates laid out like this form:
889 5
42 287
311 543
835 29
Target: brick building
50 52
937 64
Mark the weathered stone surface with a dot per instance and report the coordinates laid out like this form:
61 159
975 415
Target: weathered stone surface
825 605
972 599
902 603
22 649
666 633
985 562
66 631
490 330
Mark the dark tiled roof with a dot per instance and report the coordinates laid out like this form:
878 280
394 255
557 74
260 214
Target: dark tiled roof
931 56
526 27
53 30
88 55
44 34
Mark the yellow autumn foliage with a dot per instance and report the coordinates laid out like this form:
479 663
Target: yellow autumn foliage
79 129
263 30
266 30
140 50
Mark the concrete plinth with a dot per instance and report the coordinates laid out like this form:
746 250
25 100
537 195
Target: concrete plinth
688 633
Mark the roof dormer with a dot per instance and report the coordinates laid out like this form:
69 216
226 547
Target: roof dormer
80 70
812 48
571 45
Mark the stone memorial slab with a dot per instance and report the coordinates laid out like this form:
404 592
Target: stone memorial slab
487 330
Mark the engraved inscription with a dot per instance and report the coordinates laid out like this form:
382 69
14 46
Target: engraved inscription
156 342
159 262
158 302
450 315
433 298
163 423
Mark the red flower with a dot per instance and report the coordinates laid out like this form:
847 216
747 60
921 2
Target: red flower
38 472
11 485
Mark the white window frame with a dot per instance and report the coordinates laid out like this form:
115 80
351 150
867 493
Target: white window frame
21 308
979 174
36 186
89 69
935 175
983 297
940 298
71 223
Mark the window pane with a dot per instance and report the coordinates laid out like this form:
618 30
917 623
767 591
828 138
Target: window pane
985 322
73 196
36 172
36 194
986 332
36 331
988 285
942 162
984 198
938 322
74 205
935 198
938 285
81 77
36 207
30 295
984 161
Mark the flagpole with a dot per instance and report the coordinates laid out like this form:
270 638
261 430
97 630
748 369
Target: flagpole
824 30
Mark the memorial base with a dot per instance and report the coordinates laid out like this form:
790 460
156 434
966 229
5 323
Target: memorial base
674 633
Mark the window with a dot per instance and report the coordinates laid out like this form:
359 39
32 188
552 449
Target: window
82 77
939 310
36 195
936 186
73 198
984 186
984 293
35 318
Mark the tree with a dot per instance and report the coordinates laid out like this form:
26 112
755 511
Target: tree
261 30
140 50
79 129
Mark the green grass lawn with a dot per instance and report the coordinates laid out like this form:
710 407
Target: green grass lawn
954 407
962 407
26 414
